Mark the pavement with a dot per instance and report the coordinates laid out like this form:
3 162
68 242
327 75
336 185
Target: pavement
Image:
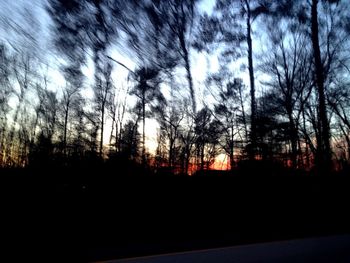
335 249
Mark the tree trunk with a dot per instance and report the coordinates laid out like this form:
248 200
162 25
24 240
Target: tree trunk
10 147
116 145
347 139
112 131
202 156
325 157
253 138
232 161
293 140
243 113
102 129
143 125
171 146
188 72
65 127
231 149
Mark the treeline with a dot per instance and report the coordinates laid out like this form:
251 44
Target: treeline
293 110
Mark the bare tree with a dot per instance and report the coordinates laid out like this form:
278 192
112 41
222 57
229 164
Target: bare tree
102 91
170 124
5 94
231 24
318 20
290 68
23 69
229 114
69 98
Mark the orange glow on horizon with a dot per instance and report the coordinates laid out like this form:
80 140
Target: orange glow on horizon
221 163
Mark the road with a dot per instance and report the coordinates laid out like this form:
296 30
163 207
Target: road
326 249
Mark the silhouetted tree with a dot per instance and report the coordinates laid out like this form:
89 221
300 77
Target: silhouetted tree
271 132
23 70
202 122
290 68
102 92
102 33
70 99
187 139
48 113
83 25
338 99
299 115
170 124
180 22
130 141
229 112
206 138
70 28
231 24
118 110
159 33
317 23
42 148
5 94
70 36
324 147
146 89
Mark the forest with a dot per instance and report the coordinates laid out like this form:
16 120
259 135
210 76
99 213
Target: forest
275 88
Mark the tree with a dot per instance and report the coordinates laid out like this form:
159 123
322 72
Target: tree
180 20
24 71
229 113
206 138
48 113
324 148
338 100
5 94
70 33
290 69
83 25
271 131
170 120
117 106
70 28
159 34
231 24
41 151
102 92
69 99
146 89
187 138
130 140
101 35
320 31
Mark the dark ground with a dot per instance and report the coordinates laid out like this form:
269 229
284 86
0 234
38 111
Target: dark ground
86 215
321 250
